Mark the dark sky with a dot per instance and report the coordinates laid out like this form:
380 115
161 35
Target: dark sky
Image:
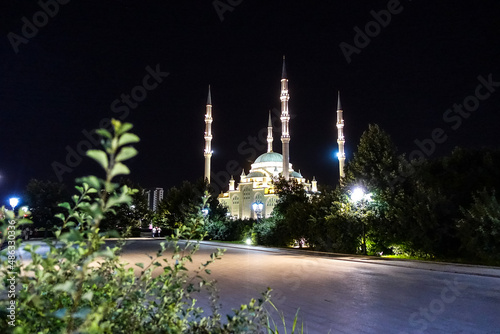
64 78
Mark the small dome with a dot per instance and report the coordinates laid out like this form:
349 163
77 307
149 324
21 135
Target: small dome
256 174
296 175
270 157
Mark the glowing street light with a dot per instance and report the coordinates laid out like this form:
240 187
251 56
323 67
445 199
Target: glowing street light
357 194
14 201
204 211
257 208
360 198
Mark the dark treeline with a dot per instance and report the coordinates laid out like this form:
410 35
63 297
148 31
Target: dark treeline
444 207
437 208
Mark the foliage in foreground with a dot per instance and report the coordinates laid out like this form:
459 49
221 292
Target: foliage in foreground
81 286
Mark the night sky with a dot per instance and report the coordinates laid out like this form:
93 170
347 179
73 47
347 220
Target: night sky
69 76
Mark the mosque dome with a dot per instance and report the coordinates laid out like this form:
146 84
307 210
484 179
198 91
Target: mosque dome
256 174
270 157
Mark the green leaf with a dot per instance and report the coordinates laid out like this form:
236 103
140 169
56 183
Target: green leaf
94 183
65 205
103 133
124 127
72 235
126 153
70 224
60 216
99 156
114 144
128 138
140 265
118 169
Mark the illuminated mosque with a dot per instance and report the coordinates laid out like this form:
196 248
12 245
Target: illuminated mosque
254 196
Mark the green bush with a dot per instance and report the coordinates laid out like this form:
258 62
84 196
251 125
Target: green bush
216 230
135 232
81 286
265 231
230 230
479 229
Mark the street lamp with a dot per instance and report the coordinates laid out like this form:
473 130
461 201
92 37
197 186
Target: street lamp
257 208
14 201
204 211
359 198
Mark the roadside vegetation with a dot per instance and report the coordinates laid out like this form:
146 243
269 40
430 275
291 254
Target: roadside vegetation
440 209
81 286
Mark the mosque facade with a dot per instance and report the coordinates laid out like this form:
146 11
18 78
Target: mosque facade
255 196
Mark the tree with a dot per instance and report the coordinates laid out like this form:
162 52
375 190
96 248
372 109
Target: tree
375 164
378 168
292 212
421 224
181 203
342 228
479 229
128 215
43 198
434 195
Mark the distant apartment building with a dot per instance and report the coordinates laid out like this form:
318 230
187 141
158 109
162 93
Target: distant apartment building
154 195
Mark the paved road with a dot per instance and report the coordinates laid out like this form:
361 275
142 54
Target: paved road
349 294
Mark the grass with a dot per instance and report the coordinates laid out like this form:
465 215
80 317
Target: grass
448 260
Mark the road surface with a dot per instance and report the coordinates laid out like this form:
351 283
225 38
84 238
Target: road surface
351 294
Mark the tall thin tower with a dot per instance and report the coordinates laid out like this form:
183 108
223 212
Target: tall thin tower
269 134
208 135
285 119
340 137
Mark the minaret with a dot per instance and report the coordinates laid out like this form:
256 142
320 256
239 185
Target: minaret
285 119
340 137
208 135
269 134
